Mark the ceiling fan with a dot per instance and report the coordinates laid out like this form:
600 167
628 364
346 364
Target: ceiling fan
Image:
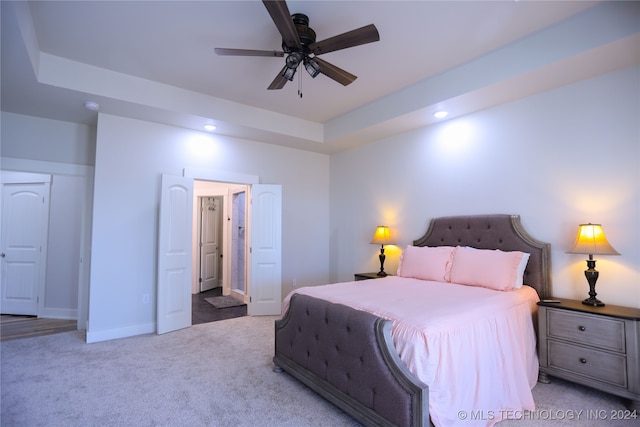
300 46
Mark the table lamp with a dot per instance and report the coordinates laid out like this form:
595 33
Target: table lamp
592 241
381 237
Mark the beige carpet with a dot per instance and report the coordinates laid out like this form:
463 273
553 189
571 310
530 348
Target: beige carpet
213 374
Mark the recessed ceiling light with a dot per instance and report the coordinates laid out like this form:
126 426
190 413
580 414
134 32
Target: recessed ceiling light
90 105
209 128
440 114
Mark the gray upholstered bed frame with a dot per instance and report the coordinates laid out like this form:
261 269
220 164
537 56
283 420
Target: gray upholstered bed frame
347 356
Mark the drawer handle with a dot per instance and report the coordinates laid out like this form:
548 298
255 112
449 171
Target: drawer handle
582 328
583 360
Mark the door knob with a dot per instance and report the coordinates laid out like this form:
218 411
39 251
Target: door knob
2 255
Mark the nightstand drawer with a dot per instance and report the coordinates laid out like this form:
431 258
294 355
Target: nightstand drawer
593 364
598 331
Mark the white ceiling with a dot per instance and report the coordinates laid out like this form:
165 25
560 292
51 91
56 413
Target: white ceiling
154 60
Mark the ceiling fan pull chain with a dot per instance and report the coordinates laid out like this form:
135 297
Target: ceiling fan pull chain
300 85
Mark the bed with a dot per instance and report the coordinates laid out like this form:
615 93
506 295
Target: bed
443 364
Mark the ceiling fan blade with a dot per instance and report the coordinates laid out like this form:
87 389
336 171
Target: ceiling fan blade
367 34
246 52
282 18
279 81
336 73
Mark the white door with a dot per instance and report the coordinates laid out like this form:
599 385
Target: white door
265 295
210 243
25 213
174 254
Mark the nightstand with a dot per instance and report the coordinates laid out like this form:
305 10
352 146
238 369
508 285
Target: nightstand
367 276
594 346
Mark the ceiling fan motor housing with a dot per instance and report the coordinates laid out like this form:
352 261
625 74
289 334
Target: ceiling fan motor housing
306 34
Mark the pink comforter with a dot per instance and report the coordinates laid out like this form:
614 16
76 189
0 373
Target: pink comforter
474 347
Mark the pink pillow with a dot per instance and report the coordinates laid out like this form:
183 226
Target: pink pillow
494 269
426 262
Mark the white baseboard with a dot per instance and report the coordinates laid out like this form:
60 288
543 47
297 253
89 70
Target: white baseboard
112 334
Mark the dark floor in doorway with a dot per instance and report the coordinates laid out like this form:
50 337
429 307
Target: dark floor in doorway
203 312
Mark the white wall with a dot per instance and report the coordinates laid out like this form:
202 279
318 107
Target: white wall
131 155
557 159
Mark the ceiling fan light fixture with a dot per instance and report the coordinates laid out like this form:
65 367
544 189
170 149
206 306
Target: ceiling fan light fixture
312 67
291 65
293 60
288 72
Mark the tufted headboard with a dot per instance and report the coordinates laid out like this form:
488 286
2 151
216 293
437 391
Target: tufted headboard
504 232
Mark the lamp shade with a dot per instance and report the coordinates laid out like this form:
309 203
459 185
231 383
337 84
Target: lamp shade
592 241
382 236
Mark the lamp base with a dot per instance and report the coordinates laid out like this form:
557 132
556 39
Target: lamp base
381 273
592 276
593 302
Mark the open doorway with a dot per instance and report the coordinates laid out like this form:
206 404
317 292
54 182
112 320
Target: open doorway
202 311
176 241
219 285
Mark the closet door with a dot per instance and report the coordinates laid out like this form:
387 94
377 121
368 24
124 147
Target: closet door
25 214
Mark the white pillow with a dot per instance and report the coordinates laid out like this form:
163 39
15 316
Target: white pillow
520 270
